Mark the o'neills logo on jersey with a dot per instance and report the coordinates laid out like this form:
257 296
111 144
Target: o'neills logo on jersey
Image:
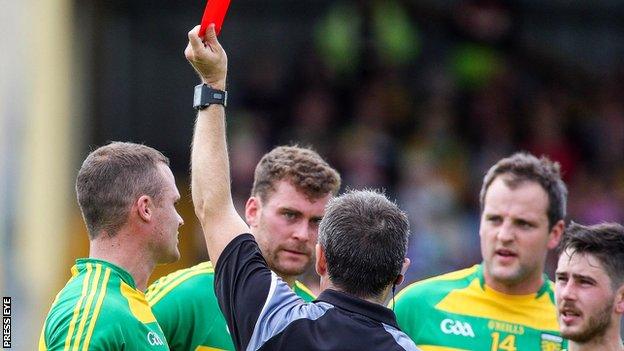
449 326
154 339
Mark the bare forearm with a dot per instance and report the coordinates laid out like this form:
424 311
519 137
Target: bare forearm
210 180
210 169
210 176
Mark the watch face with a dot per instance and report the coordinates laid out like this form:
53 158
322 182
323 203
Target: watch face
205 96
197 96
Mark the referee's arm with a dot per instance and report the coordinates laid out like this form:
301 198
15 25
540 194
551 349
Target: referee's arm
210 175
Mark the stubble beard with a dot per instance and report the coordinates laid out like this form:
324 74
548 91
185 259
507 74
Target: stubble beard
275 265
508 275
272 255
597 326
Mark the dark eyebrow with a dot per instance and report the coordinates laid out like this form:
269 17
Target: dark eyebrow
561 275
575 276
522 220
288 209
585 277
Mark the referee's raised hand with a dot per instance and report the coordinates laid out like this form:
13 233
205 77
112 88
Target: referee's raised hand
207 57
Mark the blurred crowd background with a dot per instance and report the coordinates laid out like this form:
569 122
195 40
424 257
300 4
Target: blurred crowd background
419 98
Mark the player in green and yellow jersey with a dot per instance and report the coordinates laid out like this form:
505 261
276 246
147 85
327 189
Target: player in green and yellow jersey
590 286
469 315
291 188
191 313
100 308
127 196
507 302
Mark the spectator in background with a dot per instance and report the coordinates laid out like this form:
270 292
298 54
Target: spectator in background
507 301
590 286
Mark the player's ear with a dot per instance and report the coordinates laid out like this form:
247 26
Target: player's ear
144 207
619 300
321 262
252 210
555 234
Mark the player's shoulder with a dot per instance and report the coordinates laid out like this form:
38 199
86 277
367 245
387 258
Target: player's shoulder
181 282
79 290
440 284
82 305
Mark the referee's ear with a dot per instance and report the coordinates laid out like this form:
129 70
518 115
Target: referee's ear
399 279
321 261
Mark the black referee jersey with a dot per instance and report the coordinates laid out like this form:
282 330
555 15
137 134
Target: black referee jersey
263 313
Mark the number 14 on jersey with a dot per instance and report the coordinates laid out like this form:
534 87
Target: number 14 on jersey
508 343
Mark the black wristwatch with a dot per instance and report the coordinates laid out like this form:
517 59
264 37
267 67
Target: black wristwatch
206 96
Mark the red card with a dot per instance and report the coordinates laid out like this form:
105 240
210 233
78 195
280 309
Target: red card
213 13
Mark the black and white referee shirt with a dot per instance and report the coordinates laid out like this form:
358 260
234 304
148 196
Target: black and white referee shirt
263 313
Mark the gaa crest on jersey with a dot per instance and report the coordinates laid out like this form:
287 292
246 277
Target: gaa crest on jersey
154 339
551 342
455 327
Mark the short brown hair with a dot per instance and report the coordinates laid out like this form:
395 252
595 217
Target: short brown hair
302 167
111 178
604 241
522 167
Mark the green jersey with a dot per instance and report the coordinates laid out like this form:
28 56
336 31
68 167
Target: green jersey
458 311
186 307
100 309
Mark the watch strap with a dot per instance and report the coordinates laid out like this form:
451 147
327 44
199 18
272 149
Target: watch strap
206 96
